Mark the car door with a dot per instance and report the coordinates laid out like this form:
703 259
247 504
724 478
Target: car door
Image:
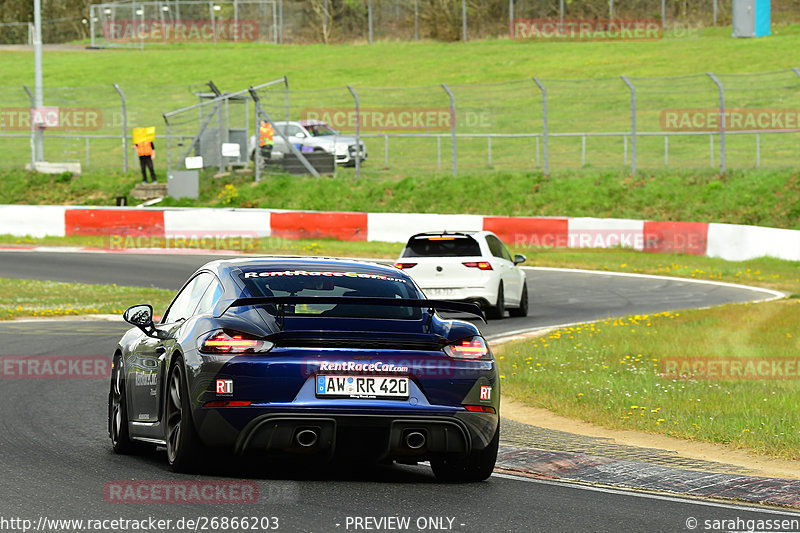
508 272
147 367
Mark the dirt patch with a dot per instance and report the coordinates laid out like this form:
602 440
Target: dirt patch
762 466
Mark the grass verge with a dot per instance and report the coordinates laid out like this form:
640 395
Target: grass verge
758 197
618 373
30 298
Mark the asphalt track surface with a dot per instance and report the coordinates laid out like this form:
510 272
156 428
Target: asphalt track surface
56 460
557 297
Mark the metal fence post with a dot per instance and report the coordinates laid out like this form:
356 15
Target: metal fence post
325 22
721 121
663 14
280 21
286 94
257 147
544 126
369 19
452 126
124 128
464 20
510 19
358 132
166 145
38 83
33 132
416 20
91 25
633 122
583 150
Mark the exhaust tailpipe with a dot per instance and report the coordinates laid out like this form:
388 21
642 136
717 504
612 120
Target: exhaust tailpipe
415 440
306 437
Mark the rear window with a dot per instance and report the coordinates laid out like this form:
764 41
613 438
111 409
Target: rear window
333 283
444 246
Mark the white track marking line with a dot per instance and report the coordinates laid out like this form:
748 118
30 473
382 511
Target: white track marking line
775 294
648 495
506 336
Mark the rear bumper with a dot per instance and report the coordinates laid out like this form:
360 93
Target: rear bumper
483 296
376 437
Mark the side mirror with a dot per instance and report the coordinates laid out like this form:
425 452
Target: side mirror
300 134
519 258
141 316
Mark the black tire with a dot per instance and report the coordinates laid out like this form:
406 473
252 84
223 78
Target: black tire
118 412
476 467
184 449
498 311
522 310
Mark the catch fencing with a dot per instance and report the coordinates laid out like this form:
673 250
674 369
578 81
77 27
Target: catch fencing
337 21
140 24
717 121
136 24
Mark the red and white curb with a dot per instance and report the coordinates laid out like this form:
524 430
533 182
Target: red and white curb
726 241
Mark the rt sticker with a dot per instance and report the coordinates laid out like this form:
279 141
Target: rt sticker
225 387
486 392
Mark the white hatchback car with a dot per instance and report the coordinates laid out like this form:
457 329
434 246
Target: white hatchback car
472 266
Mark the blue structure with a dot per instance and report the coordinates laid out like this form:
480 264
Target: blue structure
751 18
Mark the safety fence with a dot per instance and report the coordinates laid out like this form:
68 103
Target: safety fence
141 24
722 121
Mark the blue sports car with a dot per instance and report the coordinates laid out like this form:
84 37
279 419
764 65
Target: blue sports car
311 358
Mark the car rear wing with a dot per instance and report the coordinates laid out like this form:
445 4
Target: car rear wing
282 301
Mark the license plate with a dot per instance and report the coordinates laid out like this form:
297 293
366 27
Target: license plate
362 387
438 293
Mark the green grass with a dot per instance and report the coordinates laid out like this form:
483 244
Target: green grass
387 64
764 198
30 298
612 373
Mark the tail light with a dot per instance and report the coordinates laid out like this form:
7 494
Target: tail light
227 403
483 265
480 408
228 342
401 266
471 348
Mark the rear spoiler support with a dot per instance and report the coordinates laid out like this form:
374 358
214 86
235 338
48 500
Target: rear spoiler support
282 301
